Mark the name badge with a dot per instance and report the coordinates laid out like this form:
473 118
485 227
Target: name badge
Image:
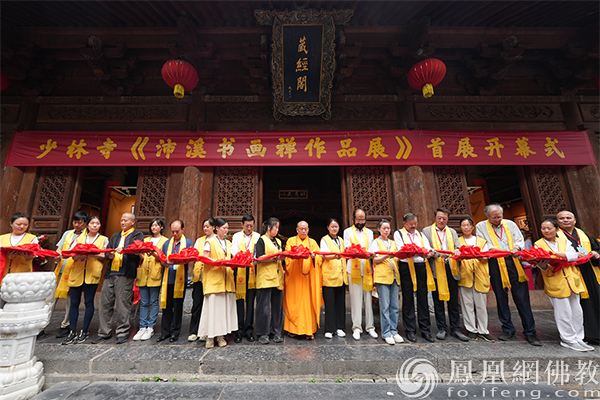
581 249
504 246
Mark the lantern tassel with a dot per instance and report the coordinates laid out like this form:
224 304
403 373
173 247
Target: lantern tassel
179 91
428 90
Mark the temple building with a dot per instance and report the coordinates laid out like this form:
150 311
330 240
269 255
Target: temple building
300 110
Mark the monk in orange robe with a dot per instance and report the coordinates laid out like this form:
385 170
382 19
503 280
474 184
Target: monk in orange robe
302 298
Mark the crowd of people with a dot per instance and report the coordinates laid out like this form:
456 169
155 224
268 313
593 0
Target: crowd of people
277 294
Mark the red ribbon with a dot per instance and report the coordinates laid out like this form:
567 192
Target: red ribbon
241 260
84 249
296 252
189 254
354 251
139 247
32 249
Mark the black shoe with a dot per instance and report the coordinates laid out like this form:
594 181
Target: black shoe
441 335
121 339
487 337
428 337
82 337
411 337
161 338
70 339
460 336
277 339
264 339
41 335
250 338
62 332
505 336
238 338
473 336
533 340
173 339
100 339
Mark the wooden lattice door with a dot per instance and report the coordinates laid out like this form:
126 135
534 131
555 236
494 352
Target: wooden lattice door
151 195
236 192
453 194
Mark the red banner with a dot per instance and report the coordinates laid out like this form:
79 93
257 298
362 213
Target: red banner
390 147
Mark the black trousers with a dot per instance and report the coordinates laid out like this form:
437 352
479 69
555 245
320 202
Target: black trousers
335 308
408 298
172 314
520 294
591 306
197 302
453 307
245 312
269 311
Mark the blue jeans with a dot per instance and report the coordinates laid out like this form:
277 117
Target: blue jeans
388 308
148 306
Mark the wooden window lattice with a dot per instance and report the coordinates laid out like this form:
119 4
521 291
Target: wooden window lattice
154 191
552 196
369 189
450 189
235 191
54 187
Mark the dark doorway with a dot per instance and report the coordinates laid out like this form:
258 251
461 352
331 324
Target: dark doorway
292 194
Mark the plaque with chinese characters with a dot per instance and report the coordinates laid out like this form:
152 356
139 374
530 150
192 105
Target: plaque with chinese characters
303 59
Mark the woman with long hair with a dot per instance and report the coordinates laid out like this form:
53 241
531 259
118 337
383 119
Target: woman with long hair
335 280
83 278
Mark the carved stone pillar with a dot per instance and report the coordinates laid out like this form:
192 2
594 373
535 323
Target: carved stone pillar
24 315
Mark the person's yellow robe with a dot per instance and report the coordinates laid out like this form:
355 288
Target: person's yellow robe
302 297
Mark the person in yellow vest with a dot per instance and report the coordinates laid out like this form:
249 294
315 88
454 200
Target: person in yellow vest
415 276
387 279
590 299
507 273
148 280
302 295
269 285
245 280
445 273
360 283
67 242
335 280
474 285
563 288
83 278
219 316
116 296
173 284
208 226
17 262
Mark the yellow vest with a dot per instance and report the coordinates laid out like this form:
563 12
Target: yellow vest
218 279
566 281
334 271
587 245
269 274
387 270
89 269
240 285
150 271
475 270
15 263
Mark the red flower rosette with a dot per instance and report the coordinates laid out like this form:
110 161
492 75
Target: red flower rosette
242 259
296 253
139 247
469 253
355 251
84 249
407 251
32 249
185 256
496 253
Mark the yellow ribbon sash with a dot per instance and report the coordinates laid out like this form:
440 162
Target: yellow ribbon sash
198 266
66 245
502 261
179 275
355 273
333 247
440 265
63 289
240 284
411 264
390 261
585 242
117 261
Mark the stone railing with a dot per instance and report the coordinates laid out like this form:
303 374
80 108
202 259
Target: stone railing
24 315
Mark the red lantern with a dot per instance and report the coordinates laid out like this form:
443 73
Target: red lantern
179 75
4 81
426 74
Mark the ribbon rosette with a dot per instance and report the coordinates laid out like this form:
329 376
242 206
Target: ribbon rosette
535 255
241 260
407 251
185 256
355 251
296 253
469 253
139 247
84 249
32 249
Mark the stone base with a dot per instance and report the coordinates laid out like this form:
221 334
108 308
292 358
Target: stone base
21 381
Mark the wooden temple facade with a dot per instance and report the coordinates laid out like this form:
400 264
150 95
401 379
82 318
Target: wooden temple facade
96 66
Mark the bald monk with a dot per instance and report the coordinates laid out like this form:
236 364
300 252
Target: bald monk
302 297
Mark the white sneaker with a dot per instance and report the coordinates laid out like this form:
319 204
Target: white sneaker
328 335
340 333
398 338
148 334
585 345
192 338
573 346
390 340
356 334
203 338
139 334
372 333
